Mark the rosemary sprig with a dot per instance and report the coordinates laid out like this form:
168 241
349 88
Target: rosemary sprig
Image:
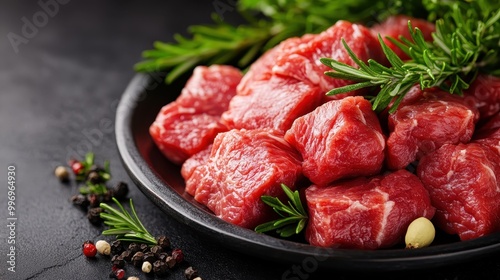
267 23
294 216
462 47
126 226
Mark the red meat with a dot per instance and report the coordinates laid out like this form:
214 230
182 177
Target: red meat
304 63
271 104
189 124
422 126
484 94
366 213
180 132
463 183
339 139
243 166
210 89
396 26
192 163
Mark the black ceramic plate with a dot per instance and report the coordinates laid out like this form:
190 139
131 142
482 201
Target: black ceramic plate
160 181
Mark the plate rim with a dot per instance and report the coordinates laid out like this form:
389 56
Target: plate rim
265 246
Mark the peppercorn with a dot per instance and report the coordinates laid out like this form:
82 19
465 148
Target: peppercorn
190 273
133 278
77 167
156 250
146 267
116 247
162 257
149 257
119 274
61 173
94 215
138 259
197 278
94 200
95 168
133 248
103 247
94 177
170 261
127 255
118 261
80 200
163 242
178 255
89 249
107 196
160 268
144 248
120 191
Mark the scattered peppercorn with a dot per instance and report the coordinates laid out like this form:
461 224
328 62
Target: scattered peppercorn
146 267
127 255
116 247
119 274
94 177
138 259
178 255
170 262
103 247
133 248
156 250
93 200
160 268
89 249
94 215
118 261
190 273
163 257
133 278
149 257
163 242
80 200
120 191
62 173
144 247
77 167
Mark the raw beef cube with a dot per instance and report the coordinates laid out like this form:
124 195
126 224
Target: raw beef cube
489 133
304 63
425 125
210 89
261 69
463 183
192 163
189 124
396 26
339 139
366 213
181 132
244 165
484 94
272 104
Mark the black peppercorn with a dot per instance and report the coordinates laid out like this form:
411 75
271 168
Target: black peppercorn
127 255
163 257
149 257
94 177
190 273
157 250
94 215
170 262
107 196
163 242
118 261
133 248
94 200
160 268
116 247
120 191
80 200
138 259
144 248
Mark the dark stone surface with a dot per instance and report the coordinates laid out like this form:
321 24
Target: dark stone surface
58 97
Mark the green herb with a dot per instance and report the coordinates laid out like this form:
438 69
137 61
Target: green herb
466 42
294 216
126 226
267 23
103 175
